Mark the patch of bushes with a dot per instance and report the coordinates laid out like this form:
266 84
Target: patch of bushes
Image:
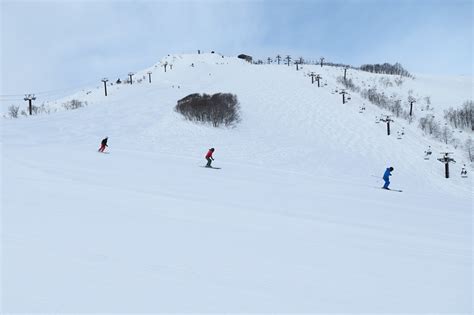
13 111
217 109
348 84
74 104
385 102
429 125
386 68
469 147
463 117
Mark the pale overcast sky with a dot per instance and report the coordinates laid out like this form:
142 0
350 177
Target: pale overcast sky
52 45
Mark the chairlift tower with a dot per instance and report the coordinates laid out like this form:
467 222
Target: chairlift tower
446 159
387 120
318 77
411 106
105 85
29 98
343 93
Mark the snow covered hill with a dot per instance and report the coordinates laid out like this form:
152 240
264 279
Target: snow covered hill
295 221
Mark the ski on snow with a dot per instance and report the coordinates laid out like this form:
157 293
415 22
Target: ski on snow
216 168
397 190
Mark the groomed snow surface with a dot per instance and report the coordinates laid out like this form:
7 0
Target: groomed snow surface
295 221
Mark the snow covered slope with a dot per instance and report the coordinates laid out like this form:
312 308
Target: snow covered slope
295 221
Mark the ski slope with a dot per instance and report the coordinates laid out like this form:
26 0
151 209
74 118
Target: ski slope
295 221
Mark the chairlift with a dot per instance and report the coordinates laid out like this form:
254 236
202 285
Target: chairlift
464 172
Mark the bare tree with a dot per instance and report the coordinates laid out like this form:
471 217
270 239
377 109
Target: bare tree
462 117
13 111
446 134
429 125
433 127
397 108
398 80
74 104
469 147
348 84
427 100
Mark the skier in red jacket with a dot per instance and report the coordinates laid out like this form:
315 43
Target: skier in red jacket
209 157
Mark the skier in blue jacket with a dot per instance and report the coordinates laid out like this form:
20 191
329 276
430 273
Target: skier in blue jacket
386 176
